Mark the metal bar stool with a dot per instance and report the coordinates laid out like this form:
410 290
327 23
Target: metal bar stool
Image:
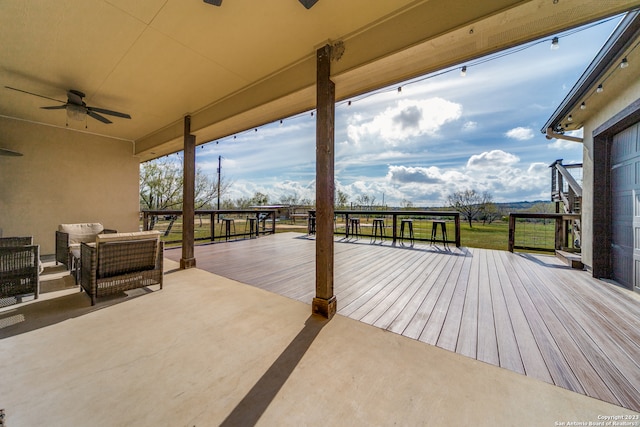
252 222
409 224
434 231
311 226
355 227
226 223
378 225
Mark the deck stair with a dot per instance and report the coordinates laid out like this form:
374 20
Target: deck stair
566 192
572 259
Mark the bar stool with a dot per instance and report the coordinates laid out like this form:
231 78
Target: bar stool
434 231
378 225
409 224
252 222
227 223
311 226
355 226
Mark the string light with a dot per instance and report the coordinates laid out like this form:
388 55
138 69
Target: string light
555 44
624 63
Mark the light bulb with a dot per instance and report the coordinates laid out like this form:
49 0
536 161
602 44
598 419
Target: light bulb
624 63
463 71
600 88
555 43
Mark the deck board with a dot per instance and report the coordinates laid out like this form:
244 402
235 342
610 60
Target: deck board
526 313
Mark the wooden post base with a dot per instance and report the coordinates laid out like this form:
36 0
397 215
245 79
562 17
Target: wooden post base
325 308
187 263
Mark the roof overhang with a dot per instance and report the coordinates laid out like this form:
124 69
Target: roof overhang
585 99
245 63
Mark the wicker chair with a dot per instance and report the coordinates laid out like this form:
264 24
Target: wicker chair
19 269
120 262
70 236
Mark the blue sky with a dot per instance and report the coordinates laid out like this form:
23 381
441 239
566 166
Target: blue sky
440 134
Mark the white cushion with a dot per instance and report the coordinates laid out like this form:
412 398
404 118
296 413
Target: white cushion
136 235
81 232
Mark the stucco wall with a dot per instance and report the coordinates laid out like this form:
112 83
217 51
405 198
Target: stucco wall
621 101
64 177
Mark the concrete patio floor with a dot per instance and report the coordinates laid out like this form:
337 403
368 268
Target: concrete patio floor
208 351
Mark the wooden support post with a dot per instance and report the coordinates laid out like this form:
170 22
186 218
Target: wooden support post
325 301
188 197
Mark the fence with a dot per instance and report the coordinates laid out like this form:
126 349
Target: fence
557 234
211 225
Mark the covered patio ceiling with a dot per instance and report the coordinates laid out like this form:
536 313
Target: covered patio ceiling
245 63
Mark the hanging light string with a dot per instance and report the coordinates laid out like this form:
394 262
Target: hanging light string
624 63
462 69
600 88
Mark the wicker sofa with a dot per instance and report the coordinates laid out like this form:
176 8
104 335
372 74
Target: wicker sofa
119 262
19 269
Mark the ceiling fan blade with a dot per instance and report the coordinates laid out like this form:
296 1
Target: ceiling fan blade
5 152
35 94
109 112
214 2
308 3
98 117
55 107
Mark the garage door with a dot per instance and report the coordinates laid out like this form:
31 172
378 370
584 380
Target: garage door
625 212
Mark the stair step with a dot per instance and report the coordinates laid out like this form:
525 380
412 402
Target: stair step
573 260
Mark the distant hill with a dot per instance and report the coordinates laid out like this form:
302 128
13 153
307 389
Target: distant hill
519 206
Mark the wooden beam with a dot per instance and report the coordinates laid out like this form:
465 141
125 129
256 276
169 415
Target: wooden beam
188 197
325 301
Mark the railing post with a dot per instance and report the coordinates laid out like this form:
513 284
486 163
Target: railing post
212 225
394 225
145 221
512 232
559 233
273 222
456 220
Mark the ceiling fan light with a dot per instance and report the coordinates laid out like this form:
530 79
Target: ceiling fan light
76 112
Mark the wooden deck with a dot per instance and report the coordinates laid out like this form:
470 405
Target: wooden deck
526 313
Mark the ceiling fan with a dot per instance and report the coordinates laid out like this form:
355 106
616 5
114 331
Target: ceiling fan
76 108
306 3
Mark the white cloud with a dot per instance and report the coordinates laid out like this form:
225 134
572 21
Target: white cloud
404 174
469 126
520 133
492 159
407 119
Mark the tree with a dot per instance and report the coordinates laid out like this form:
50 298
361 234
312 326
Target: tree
490 211
469 203
342 199
161 184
